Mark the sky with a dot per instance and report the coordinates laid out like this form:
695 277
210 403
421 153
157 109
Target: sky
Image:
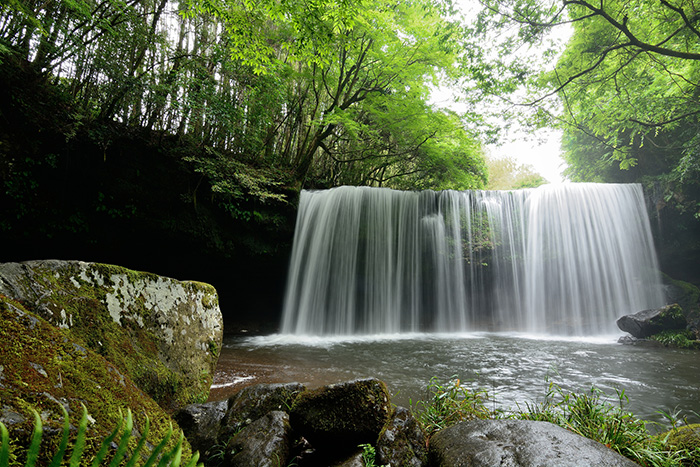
543 152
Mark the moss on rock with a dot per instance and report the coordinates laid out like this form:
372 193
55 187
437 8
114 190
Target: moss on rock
684 437
349 413
43 368
164 334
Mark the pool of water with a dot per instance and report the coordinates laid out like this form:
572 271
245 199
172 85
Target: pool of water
515 369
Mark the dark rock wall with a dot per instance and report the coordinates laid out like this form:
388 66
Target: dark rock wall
108 193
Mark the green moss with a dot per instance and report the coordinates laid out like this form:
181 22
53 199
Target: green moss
357 409
684 437
44 367
76 296
682 339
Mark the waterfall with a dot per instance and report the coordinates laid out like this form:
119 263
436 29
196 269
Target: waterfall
566 259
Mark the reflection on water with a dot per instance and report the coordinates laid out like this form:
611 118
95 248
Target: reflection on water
514 368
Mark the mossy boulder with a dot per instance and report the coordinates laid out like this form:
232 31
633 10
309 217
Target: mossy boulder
265 442
253 402
344 414
684 437
649 322
402 442
43 368
162 333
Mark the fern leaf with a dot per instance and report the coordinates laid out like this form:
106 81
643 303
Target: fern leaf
34 446
104 447
79 445
58 457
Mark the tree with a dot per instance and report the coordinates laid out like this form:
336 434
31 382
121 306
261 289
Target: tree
506 174
628 80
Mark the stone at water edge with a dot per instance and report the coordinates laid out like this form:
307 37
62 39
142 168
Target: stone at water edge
646 323
164 333
402 441
253 402
518 443
343 414
265 442
201 424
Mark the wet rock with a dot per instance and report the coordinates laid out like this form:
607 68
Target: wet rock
629 340
402 442
263 443
163 333
253 402
71 378
646 323
518 443
345 414
202 423
354 460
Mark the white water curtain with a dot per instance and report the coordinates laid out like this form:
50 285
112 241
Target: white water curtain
566 259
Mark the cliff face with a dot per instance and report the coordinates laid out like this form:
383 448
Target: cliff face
104 192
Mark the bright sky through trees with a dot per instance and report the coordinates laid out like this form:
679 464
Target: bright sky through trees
540 149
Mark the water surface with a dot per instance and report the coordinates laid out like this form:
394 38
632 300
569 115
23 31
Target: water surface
514 368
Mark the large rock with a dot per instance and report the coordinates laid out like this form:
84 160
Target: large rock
253 402
164 334
649 322
202 424
344 414
264 443
518 443
402 441
43 368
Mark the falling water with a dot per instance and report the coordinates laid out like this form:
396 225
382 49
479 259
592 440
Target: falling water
567 259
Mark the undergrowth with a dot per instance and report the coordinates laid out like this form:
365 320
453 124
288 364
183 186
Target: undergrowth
117 442
592 414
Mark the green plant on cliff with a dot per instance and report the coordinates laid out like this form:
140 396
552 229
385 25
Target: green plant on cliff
159 456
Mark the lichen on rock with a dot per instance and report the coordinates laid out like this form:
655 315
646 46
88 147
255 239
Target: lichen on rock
163 333
44 369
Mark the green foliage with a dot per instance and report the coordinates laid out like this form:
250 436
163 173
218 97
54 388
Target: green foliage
326 92
593 415
682 339
165 458
507 174
450 403
368 455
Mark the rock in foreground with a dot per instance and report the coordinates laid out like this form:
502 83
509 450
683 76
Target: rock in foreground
518 443
163 333
43 369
